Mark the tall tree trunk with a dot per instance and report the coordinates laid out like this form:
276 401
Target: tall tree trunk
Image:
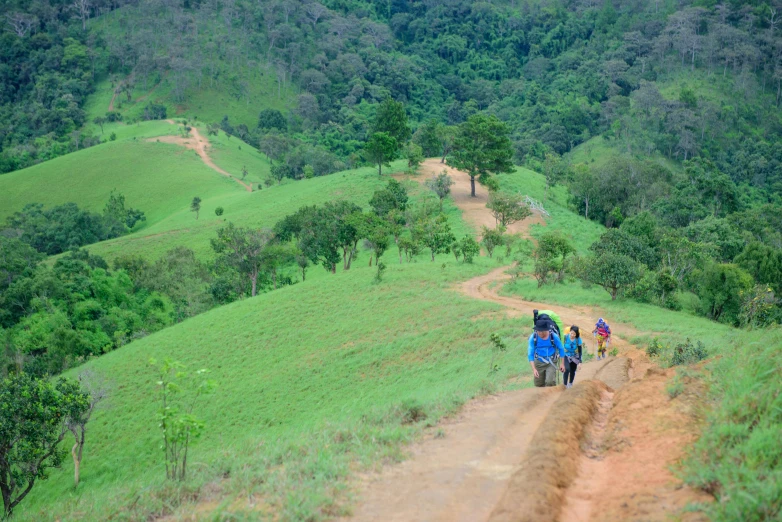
254 279
76 463
472 192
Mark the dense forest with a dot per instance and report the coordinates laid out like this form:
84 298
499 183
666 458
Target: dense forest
558 73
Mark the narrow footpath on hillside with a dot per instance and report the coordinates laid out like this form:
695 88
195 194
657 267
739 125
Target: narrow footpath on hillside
196 142
601 451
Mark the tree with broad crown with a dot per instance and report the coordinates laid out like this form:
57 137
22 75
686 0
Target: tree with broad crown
33 421
380 150
391 118
507 208
243 250
482 148
441 186
613 272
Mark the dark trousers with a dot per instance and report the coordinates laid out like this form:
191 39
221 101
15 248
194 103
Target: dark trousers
570 371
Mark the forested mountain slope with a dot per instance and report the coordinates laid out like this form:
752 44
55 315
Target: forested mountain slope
679 80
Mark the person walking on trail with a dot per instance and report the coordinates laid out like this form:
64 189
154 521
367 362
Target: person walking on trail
572 346
544 346
603 333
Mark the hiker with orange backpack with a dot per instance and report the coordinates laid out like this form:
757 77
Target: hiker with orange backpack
603 333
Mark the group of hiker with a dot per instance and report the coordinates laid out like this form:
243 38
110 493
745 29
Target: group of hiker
549 354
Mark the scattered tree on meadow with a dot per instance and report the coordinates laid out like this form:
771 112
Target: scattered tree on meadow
380 150
219 211
100 121
468 248
551 255
392 197
614 272
180 393
35 413
441 186
492 238
243 250
435 234
482 148
244 172
96 391
272 120
507 208
195 206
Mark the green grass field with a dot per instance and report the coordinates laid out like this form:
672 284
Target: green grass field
316 376
157 178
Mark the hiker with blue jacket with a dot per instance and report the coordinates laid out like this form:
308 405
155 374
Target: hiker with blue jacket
544 345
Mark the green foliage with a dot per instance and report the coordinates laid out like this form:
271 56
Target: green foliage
34 417
763 263
482 147
66 227
492 238
614 272
507 208
392 197
615 241
180 393
272 119
391 119
551 255
721 289
195 206
381 149
435 234
415 156
688 353
441 186
469 248
243 250
498 346
219 211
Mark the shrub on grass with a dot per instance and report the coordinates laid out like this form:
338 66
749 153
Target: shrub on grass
688 353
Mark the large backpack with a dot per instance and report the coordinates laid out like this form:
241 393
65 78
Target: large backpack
553 328
553 322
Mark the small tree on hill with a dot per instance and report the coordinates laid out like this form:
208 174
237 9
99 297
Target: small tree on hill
614 272
180 392
380 150
415 156
492 238
32 425
482 148
195 206
441 186
435 234
242 249
551 256
244 171
507 208
392 197
469 248
96 390
100 121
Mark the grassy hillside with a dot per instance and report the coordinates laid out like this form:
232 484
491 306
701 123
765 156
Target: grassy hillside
332 365
157 178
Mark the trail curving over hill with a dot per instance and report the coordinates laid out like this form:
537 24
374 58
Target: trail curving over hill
610 464
199 144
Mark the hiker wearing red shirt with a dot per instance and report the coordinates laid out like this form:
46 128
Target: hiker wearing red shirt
603 333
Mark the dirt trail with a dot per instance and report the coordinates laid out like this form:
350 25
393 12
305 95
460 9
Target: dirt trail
198 144
463 470
473 208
